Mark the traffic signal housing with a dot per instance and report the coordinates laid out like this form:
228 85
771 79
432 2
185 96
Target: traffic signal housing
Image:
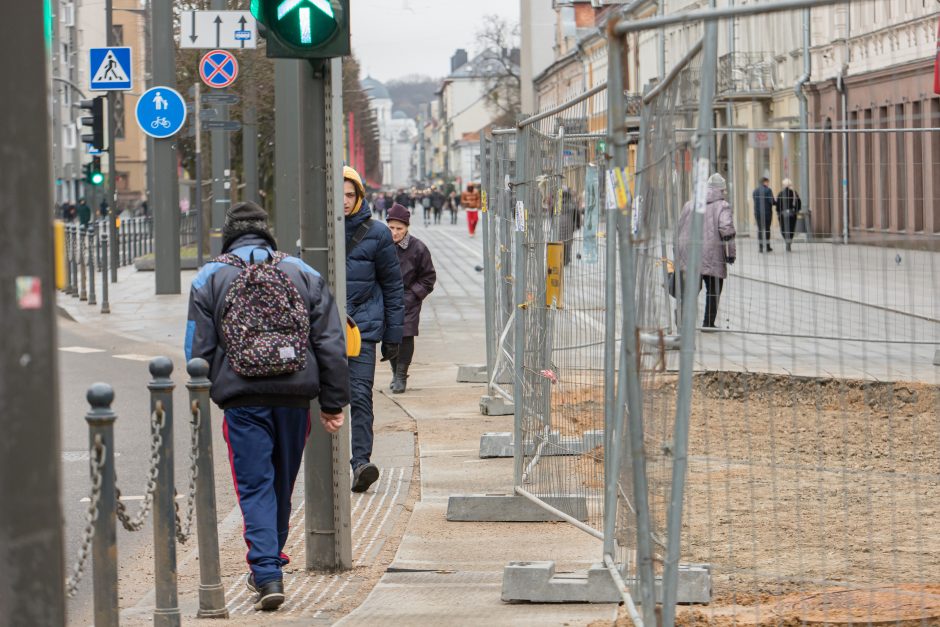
92 172
303 29
95 121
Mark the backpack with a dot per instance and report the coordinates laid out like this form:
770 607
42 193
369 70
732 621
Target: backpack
265 323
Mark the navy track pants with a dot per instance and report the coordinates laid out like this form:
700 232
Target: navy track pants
361 380
265 447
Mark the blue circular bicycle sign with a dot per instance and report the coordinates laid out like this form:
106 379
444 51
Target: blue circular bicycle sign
161 112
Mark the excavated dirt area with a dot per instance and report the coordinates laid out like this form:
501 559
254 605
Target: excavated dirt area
815 501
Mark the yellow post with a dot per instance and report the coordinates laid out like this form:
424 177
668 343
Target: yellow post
59 243
554 278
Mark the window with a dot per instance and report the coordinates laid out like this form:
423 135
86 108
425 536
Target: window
868 172
118 117
900 161
853 158
884 169
917 140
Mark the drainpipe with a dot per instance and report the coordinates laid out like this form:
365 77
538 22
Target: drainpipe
804 121
729 122
840 87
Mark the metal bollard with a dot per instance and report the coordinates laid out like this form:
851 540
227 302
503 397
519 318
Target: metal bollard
166 611
104 245
211 592
91 252
100 421
69 262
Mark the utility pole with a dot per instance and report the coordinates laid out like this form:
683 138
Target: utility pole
221 164
166 209
32 579
250 133
197 124
113 246
308 156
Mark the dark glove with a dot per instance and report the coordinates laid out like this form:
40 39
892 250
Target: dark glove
731 260
390 351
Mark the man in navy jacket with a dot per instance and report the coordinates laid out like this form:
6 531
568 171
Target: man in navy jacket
763 213
267 418
375 299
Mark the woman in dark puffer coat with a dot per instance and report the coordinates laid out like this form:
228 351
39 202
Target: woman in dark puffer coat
418 276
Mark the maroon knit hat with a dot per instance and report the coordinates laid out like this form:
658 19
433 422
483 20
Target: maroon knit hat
397 212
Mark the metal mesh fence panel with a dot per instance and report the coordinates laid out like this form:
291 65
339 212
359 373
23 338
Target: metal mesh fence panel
499 162
811 472
565 315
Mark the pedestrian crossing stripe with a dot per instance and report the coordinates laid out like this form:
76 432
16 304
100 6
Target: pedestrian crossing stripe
110 70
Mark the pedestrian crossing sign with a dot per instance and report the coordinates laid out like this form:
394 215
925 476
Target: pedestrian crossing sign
110 68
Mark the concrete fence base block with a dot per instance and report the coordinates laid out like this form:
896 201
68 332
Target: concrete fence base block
470 373
496 406
500 444
512 508
537 582
936 358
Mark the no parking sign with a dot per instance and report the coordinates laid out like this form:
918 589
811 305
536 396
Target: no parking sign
218 68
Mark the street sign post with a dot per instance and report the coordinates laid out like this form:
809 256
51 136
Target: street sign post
218 69
227 99
161 112
218 29
111 68
221 125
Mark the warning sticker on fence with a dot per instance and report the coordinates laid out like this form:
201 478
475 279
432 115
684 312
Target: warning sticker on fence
520 216
483 203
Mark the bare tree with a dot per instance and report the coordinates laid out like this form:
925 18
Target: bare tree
499 42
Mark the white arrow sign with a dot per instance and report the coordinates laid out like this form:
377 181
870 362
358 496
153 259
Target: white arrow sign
218 29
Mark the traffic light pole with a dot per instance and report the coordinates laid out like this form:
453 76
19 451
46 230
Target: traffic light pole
32 578
221 164
113 244
166 208
308 127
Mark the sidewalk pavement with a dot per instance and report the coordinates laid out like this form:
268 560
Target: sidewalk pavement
411 565
827 310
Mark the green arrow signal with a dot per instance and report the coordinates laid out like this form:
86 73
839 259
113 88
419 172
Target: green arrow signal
303 15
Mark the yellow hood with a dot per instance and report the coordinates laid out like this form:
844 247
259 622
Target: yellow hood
351 175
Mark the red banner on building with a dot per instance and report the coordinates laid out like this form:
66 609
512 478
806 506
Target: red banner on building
936 64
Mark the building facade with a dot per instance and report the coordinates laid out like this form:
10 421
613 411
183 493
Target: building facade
397 133
870 82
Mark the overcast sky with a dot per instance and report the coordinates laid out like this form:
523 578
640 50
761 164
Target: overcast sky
394 38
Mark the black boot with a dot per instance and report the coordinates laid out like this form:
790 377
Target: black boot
394 364
400 382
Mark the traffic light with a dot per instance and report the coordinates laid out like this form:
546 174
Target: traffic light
95 120
303 29
92 172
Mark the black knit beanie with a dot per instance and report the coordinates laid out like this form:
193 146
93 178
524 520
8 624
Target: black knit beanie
244 218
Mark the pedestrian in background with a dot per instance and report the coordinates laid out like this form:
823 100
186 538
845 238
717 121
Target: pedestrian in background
426 206
470 201
375 300
718 248
84 212
764 213
418 277
437 203
264 381
788 208
451 205
379 205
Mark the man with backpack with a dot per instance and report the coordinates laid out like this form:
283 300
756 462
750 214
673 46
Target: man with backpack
268 325
375 300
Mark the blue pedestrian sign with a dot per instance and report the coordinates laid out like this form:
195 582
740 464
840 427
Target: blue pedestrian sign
110 68
161 112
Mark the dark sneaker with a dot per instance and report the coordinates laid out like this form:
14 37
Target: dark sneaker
364 476
270 596
250 583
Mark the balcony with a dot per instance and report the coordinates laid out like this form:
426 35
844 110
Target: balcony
746 75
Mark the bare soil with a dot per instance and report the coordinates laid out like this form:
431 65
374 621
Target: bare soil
803 491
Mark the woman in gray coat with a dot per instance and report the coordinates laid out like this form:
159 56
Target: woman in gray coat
718 247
